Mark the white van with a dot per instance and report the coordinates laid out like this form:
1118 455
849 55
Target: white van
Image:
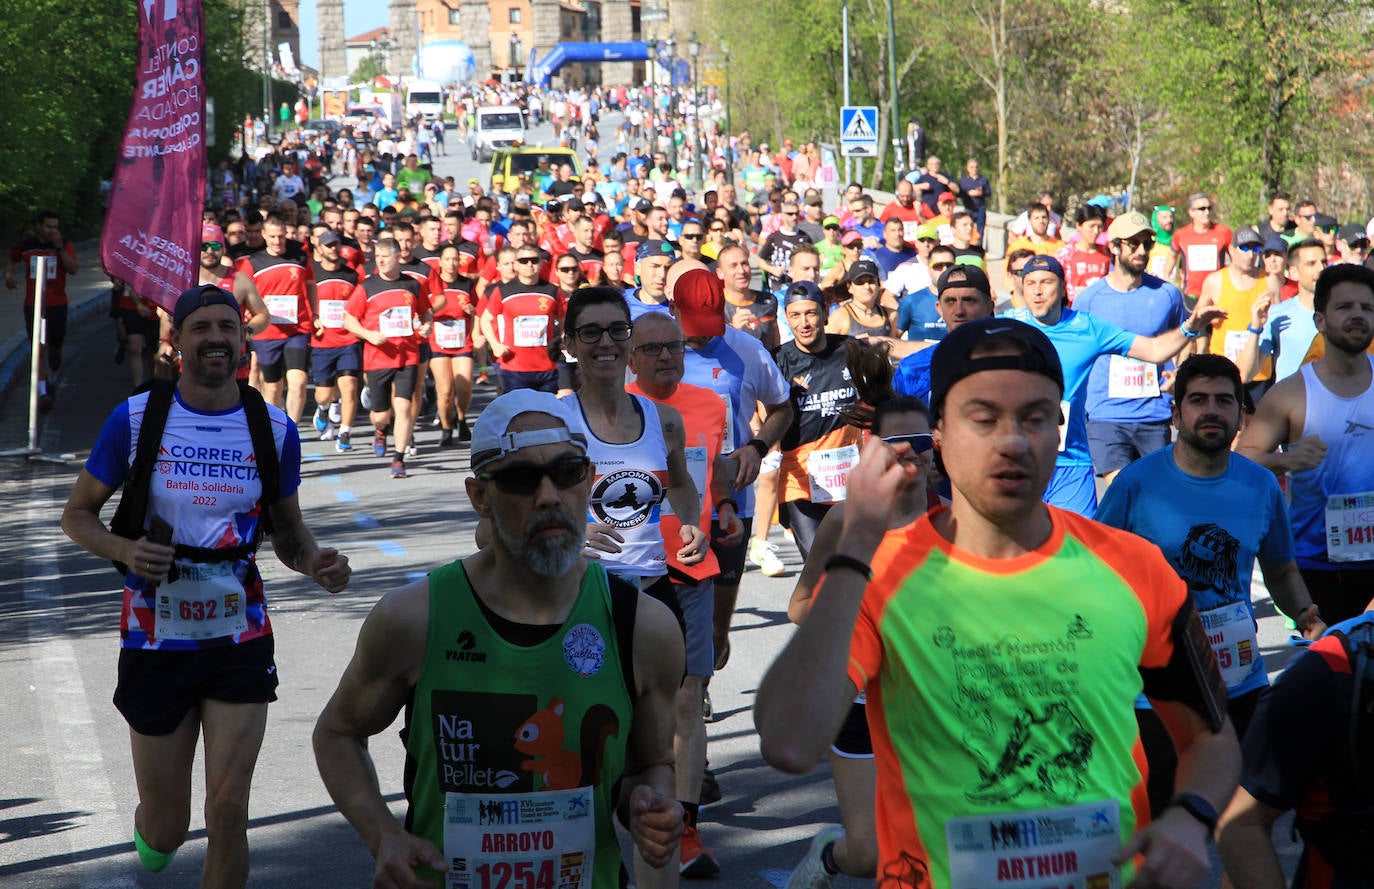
498 126
424 97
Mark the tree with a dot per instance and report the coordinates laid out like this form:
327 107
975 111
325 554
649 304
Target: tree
369 67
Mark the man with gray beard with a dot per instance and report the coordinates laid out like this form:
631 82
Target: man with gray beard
529 679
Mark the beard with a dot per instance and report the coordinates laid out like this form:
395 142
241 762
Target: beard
1350 342
1208 443
544 556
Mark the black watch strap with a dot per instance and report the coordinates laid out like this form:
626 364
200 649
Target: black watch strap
759 445
1197 806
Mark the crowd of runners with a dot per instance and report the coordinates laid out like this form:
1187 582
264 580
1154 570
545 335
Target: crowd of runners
1029 494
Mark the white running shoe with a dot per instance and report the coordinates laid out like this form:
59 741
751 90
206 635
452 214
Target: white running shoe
809 872
765 556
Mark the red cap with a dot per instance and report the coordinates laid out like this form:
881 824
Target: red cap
945 196
699 300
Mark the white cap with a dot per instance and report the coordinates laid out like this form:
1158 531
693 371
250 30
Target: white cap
491 441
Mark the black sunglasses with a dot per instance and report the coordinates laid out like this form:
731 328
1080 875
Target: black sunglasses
591 334
653 350
527 260
691 236
524 480
567 268
920 441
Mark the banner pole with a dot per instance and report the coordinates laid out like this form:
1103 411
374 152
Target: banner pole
40 285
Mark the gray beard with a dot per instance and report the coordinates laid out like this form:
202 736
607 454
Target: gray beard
549 557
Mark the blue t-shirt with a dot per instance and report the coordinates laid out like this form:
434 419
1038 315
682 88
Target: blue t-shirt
913 375
1211 530
636 164
918 318
873 230
1156 306
888 260
1080 339
639 308
1287 336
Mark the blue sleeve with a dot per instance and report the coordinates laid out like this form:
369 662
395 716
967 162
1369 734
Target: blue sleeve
1180 311
113 451
1112 340
290 462
1115 508
1277 546
905 313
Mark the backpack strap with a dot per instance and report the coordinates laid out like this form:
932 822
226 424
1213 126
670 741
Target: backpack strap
264 452
132 510
1359 648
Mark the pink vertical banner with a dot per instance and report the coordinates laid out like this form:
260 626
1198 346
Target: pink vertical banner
151 239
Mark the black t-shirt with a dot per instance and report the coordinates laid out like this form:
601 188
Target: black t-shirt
820 389
777 250
762 324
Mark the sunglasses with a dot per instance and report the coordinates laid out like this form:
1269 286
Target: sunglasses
716 228
1205 209
1251 248
591 334
527 260
694 236
854 246
1134 244
567 269
653 350
940 266
525 480
920 441
211 245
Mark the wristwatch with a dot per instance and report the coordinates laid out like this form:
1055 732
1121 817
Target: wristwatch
1197 806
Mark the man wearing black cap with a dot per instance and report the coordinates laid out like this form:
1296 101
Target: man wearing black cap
976 733
965 294
1352 243
196 649
1080 340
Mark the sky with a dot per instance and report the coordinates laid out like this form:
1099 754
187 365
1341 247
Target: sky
359 16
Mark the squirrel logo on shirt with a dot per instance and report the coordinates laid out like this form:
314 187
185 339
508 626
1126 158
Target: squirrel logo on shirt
541 738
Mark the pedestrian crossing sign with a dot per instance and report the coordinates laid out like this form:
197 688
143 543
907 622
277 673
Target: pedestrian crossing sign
859 131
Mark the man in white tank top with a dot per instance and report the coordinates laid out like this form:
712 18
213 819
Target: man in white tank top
1323 416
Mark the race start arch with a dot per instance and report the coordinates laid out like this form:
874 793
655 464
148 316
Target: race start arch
541 71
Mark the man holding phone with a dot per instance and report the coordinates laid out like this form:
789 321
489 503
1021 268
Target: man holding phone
196 644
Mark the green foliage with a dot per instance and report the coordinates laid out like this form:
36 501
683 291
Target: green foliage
66 84
369 66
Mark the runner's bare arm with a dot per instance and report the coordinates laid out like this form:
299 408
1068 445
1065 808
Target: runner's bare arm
1279 414
1286 587
67 252
1174 846
1245 841
682 491
1159 349
295 545
647 803
246 292
806 692
827 536
81 522
373 690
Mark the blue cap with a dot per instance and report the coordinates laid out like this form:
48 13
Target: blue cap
800 291
199 298
1275 244
654 247
1042 263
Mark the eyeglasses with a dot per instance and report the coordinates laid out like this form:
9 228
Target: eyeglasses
653 350
567 269
920 441
940 266
590 334
692 236
211 245
527 260
525 480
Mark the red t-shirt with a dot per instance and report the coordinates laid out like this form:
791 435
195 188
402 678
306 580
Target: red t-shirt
394 308
1202 253
524 318
1082 269
334 288
282 282
452 330
26 254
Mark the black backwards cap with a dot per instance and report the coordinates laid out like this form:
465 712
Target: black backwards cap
954 356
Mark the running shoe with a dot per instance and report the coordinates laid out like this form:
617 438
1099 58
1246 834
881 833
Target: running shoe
330 433
446 438
398 467
343 443
464 433
321 420
697 860
810 873
765 555
335 412
412 450
379 443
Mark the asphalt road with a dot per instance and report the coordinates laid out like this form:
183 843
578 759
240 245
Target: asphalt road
67 799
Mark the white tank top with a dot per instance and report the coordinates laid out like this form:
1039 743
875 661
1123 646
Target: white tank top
627 491
1346 425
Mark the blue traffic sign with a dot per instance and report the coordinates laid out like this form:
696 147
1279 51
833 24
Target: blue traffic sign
859 131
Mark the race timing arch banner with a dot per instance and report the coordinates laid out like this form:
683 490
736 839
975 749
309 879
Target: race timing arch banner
151 239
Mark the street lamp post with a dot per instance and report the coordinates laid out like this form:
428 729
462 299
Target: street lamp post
698 162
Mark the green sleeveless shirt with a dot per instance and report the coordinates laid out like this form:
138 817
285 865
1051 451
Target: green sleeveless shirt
512 752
